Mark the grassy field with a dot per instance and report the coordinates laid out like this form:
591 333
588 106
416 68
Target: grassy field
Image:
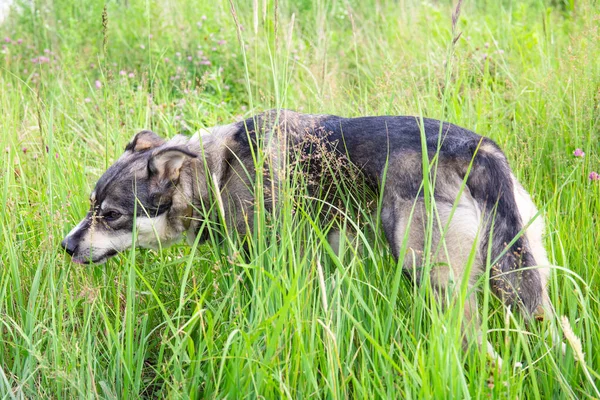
78 79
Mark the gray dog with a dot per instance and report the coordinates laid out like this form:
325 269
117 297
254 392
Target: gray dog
165 186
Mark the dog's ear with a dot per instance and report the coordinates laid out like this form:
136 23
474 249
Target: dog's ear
144 140
167 162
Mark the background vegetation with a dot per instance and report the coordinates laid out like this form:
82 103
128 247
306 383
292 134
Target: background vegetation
78 79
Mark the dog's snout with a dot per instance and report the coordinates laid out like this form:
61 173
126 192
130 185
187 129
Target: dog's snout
69 246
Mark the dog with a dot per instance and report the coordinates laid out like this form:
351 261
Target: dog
172 187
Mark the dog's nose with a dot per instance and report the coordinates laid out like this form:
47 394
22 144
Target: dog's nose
68 246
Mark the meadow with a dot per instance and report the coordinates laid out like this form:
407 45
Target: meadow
79 79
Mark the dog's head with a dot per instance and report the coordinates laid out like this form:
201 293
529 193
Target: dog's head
142 187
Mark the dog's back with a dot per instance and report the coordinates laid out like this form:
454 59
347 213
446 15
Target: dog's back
479 205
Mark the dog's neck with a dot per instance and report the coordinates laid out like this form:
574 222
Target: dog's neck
211 145
203 174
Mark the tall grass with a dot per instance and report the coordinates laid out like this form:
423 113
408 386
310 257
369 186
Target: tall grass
293 320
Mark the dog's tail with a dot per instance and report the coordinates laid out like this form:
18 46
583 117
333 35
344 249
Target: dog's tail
512 277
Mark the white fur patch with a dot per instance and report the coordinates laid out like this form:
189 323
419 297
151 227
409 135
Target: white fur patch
102 241
452 251
212 134
199 136
155 232
461 235
460 239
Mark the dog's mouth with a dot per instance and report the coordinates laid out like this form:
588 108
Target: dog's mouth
84 254
79 259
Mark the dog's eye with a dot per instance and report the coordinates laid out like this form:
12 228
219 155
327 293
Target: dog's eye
111 215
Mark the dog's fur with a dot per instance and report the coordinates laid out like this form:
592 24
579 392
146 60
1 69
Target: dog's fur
169 185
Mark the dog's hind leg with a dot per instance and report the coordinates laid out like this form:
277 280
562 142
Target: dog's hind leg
458 254
402 221
455 254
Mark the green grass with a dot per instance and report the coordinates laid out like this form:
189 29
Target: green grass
296 321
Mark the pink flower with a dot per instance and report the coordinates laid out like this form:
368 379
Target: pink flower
122 73
7 40
221 42
98 84
24 150
19 41
189 58
131 75
87 100
167 59
594 176
578 153
150 36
